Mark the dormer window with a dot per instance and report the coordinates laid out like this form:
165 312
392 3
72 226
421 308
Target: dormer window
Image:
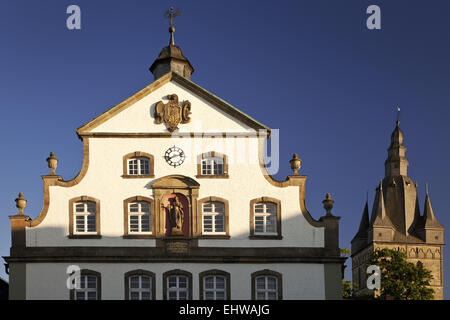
138 165
212 165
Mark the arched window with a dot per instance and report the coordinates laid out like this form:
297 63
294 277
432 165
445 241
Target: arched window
212 165
177 285
213 213
138 165
267 285
214 285
84 217
139 285
213 221
265 218
87 286
138 217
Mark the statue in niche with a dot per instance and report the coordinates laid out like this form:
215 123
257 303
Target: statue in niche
176 217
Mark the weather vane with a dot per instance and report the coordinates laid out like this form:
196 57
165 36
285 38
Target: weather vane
169 14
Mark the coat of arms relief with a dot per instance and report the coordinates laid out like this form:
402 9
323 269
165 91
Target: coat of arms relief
172 113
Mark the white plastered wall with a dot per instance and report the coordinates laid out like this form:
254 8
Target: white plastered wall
47 281
139 117
103 179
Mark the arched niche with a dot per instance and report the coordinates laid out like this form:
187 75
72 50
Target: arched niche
165 190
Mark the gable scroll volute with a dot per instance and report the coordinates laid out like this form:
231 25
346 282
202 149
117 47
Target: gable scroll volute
172 113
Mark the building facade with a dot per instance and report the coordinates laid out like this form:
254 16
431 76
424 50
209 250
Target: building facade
396 222
174 201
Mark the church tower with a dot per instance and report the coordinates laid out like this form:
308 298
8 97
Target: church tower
396 222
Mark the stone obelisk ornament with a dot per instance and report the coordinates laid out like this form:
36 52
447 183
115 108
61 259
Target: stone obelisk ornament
172 113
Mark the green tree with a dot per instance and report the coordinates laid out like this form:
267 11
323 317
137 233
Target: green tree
347 291
400 279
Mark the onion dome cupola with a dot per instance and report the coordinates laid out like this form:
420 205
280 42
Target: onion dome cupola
171 58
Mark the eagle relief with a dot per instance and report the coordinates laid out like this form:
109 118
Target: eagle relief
172 113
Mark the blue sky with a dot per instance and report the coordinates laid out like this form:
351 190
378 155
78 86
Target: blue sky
309 68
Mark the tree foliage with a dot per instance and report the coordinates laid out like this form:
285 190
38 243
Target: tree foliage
348 289
400 279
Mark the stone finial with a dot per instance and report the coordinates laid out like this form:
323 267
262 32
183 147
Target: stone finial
21 203
52 163
295 164
328 204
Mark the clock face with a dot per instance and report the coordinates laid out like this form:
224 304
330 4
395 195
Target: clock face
174 156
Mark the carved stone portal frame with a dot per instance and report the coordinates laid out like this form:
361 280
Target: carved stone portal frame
186 186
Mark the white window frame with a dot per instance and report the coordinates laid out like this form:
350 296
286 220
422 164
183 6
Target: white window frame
140 290
140 213
139 161
86 214
213 214
212 162
215 290
266 289
264 215
85 290
177 288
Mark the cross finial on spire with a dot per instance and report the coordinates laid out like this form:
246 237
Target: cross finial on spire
398 116
170 15
426 188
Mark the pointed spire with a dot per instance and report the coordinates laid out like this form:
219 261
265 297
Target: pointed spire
430 220
364 224
396 164
379 216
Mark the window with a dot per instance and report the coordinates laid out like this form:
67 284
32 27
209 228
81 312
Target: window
265 218
140 288
265 215
84 217
87 286
266 285
138 165
139 285
139 217
214 285
214 288
177 285
212 221
213 217
266 288
212 165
